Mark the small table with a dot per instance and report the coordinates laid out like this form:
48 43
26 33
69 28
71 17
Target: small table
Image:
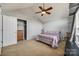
68 35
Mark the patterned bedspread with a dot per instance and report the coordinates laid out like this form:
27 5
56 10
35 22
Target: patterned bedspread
49 39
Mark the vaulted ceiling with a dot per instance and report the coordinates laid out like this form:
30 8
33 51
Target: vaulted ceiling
60 10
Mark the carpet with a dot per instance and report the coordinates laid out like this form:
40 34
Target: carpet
33 48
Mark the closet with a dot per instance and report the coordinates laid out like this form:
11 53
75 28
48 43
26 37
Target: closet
9 30
21 30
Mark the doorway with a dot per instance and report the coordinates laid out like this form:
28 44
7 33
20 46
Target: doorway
21 30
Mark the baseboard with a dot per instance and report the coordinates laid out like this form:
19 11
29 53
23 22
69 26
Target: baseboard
9 44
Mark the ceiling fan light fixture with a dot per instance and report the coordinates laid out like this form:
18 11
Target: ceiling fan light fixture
43 12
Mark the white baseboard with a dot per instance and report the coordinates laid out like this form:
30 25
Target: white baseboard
10 43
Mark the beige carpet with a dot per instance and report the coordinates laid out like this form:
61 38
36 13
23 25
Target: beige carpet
33 48
0 50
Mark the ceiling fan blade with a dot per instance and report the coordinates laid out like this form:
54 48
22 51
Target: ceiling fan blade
38 12
48 12
40 7
48 8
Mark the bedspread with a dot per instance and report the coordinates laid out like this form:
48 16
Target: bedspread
49 39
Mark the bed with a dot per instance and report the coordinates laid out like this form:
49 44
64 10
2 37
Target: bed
51 38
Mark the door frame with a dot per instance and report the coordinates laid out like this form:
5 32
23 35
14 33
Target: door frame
25 27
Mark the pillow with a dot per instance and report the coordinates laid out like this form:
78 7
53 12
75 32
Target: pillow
51 33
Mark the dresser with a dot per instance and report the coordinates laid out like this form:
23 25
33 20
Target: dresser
20 35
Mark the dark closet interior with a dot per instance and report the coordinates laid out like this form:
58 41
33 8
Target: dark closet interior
21 30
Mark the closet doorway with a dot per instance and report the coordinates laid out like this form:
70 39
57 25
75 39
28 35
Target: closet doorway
21 30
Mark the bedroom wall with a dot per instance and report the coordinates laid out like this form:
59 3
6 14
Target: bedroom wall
58 25
34 26
59 20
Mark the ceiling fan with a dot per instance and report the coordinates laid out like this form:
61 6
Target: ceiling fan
44 11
